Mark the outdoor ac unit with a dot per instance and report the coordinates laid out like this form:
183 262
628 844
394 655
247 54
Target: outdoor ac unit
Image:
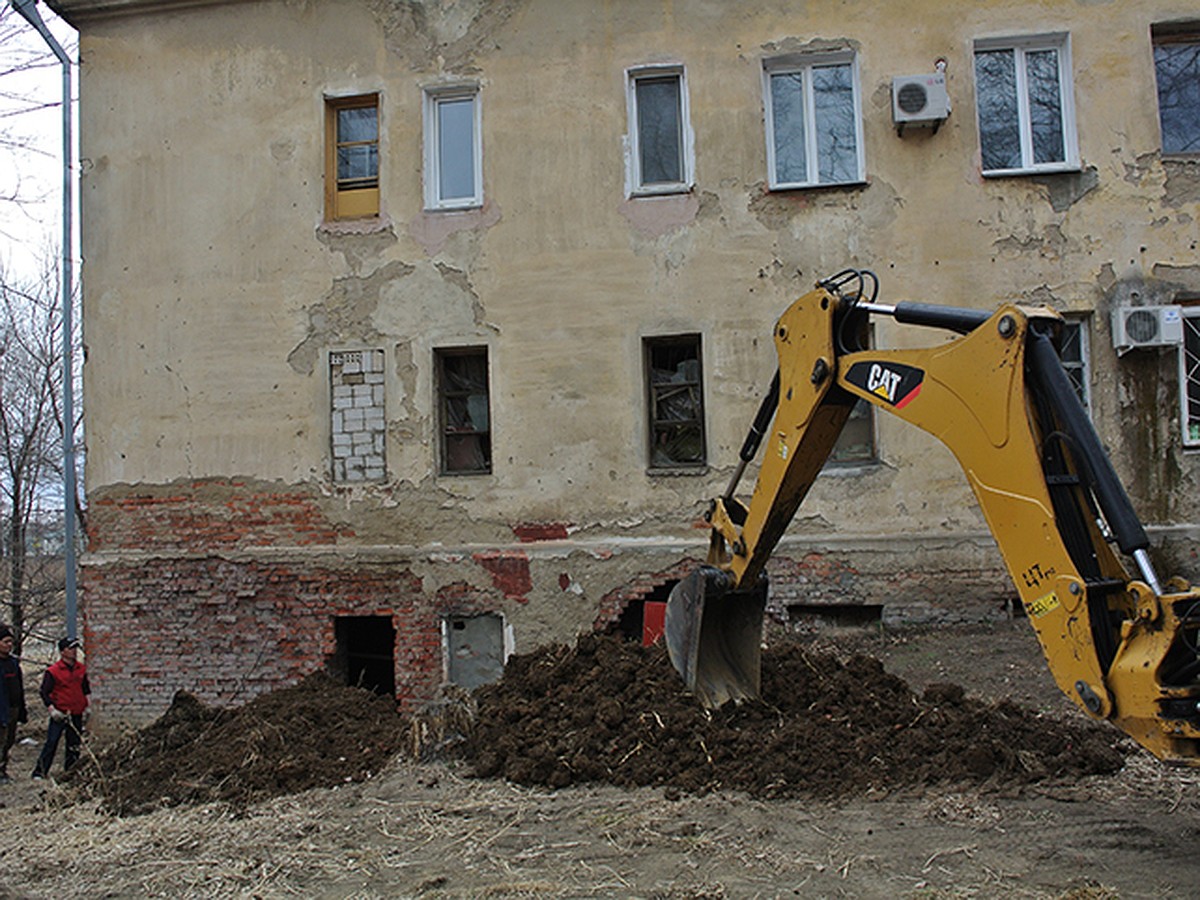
920 99
1134 327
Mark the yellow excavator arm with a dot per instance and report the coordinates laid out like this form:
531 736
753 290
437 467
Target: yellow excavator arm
1124 648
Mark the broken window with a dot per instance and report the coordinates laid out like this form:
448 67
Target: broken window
814 122
659 132
1189 374
453 148
676 401
1023 100
1073 351
352 156
365 653
358 428
1177 71
466 439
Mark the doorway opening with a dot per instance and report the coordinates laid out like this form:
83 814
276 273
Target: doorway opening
366 653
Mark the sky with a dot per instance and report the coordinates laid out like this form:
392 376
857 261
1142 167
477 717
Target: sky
33 228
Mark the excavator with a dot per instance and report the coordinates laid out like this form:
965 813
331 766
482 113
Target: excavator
1125 648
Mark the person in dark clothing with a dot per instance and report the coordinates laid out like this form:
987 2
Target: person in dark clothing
12 700
65 692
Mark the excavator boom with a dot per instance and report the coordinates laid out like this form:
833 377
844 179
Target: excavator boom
1124 648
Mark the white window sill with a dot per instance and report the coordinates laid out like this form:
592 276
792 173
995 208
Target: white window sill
779 188
1063 169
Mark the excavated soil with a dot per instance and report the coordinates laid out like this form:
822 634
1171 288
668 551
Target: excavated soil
315 734
610 711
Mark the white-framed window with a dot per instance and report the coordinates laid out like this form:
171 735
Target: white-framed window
1074 350
1189 376
453 147
813 117
1023 100
661 158
1177 76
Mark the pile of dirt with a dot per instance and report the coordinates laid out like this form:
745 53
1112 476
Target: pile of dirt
315 734
610 711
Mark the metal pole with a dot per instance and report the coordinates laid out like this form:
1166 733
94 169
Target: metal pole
27 9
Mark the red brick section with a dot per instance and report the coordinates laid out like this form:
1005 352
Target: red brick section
227 631
208 515
528 532
613 603
509 571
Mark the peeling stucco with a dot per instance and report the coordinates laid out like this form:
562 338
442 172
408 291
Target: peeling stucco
1182 184
428 33
344 314
1065 190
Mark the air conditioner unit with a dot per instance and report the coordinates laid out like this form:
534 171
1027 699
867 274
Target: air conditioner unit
920 100
1135 327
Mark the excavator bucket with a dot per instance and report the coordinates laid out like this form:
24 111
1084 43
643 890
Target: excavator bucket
714 636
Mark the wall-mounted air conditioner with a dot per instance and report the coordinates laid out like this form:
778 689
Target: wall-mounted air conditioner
1135 327
920 100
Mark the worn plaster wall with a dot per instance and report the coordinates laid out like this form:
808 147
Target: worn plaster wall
214 292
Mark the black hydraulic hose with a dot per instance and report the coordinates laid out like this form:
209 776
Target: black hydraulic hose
1046 369
952 318
762 420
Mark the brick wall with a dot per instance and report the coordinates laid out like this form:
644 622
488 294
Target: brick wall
228 630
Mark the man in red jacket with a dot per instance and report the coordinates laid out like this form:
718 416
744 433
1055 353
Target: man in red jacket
65 692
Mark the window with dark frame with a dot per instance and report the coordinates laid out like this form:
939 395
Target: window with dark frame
352 157
676 401
1177 74
464 411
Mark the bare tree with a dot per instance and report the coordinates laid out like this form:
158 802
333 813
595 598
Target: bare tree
24 92
31 435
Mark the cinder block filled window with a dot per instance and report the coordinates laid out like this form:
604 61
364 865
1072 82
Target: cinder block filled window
660 135
352 156
1024 102
675 401
464 414
1177 71
357 424
453 148
1189 374
814 121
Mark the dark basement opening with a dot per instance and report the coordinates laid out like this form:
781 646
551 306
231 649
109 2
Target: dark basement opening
837 615
366 653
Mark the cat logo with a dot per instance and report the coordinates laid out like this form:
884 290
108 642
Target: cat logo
893 383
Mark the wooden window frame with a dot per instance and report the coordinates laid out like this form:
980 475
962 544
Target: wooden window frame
361 201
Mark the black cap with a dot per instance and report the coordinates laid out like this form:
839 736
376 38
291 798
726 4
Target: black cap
5 631
66 642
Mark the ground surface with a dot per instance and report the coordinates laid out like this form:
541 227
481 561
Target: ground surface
830 792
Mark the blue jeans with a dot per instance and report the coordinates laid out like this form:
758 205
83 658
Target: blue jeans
73 726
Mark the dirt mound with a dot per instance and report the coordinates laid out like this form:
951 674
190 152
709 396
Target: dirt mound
607 710
315 734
